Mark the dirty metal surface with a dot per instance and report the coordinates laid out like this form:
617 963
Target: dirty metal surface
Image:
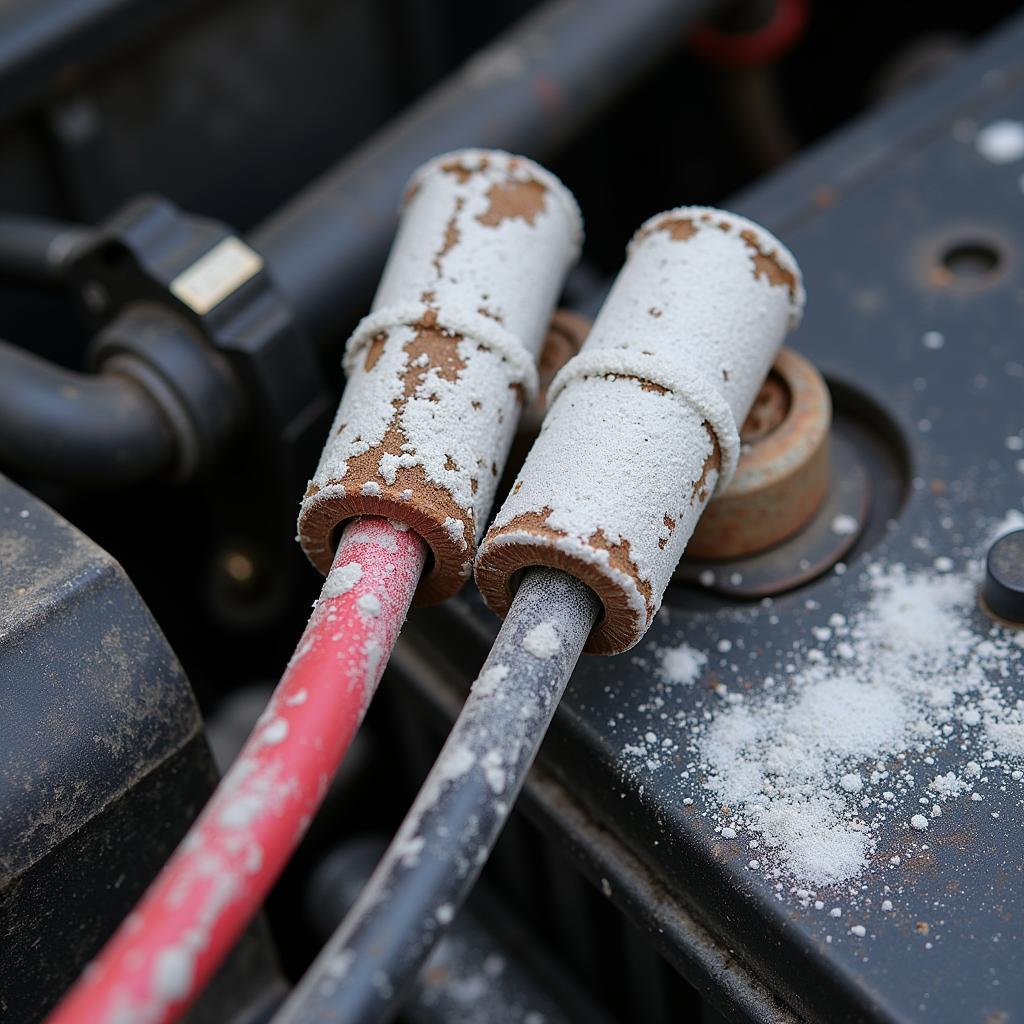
903 229
103 765
594 850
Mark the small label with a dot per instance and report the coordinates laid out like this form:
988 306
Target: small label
213 277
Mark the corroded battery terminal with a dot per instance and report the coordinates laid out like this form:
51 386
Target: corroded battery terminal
643 425
440 369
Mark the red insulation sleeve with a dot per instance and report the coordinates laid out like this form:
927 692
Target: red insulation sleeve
759 47
169 947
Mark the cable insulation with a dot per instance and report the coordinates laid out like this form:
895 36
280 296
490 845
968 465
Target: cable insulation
437 854
172 943
93 429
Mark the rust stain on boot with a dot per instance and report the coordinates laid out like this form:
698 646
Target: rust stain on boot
768 265
451 235
712 462
511 200
375 350
619 554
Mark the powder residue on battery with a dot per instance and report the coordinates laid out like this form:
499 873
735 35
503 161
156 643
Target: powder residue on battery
681 664
876 732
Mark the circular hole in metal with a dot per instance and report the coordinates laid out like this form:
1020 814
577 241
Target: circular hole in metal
972 261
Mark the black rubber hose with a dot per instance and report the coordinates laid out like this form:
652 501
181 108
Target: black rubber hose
33 249
92 429
431 865
530 91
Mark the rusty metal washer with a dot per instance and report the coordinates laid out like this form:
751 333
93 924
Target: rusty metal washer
782 475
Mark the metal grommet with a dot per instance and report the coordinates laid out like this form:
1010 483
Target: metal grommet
782 475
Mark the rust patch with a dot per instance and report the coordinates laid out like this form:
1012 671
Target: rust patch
655 312
768 265
511 200
484 311
713 461
520 393
375 350
451 465
722 225
670 523
451 235
619 555
441 351
459 170
645 384
679 229
312 489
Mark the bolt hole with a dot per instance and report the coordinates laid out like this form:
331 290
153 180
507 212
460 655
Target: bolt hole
972 262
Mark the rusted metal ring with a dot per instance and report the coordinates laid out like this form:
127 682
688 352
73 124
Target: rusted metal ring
782 475
566 333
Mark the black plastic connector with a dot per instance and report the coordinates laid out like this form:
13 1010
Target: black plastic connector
187 308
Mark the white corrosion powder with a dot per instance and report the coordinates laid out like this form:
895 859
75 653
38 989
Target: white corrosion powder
341 580
844 525
681 664
851 782
172 974
837 751
456 529
489 680
369 605
273 733
1001 142
542 641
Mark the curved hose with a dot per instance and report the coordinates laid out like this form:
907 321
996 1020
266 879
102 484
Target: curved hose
33 249
93 429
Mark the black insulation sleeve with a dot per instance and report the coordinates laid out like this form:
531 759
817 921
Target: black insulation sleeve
93 429
33 249
369 963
